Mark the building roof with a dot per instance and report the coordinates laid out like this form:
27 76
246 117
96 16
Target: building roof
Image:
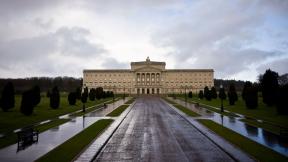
150 62
166 70
189 70
106 70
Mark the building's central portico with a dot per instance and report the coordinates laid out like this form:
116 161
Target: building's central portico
148 76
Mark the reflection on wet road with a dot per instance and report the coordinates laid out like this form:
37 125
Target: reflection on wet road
154 132
259 135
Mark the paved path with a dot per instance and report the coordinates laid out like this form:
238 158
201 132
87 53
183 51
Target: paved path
152 131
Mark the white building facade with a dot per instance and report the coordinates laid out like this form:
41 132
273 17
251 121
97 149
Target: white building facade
149 77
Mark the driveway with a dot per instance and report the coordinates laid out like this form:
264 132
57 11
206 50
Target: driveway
152 131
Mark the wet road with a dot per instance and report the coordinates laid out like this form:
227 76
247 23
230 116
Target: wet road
154 132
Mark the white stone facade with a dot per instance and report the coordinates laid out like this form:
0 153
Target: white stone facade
149 77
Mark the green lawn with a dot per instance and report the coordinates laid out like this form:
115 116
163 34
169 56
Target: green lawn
258 151
72 147
116 99
14 119
186 111
11 138
169 101
130 101
263 112
118 111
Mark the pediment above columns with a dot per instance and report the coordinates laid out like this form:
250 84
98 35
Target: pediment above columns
147 69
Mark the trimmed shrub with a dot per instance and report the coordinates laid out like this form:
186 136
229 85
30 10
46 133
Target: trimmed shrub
201 94
190 95
269 85
72 98
55 98
232 94
213 93
92 94
27 105
8 97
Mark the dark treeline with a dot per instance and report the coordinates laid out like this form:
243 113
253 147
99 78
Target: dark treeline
239 84
67 84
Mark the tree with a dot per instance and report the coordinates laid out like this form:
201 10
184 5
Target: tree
282 104
190 95
104 94
201 95
78 93
269 85
207 93
55 98
36 95
244 91
84 97
92 94
251 96
222 94
109 94
232 94
48 93
99 93
72 98
27 105
213 92
8 97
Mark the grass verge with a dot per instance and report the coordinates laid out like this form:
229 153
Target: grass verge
186 111
169 101
255 149
11 138
130 101
211 108
219 111
71 148
118 111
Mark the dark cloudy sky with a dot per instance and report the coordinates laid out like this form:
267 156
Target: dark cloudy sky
237 38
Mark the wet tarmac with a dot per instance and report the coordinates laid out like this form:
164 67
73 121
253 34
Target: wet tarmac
152 131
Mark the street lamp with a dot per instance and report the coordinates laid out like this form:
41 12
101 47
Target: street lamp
222 97
124 94
185 93
114 93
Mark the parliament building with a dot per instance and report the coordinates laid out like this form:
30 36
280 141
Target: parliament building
148 77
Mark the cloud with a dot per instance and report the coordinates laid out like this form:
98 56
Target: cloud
111 63
279 66
235 38
219 35
48 52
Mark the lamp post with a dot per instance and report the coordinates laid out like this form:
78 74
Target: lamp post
221 96
185 93
114 93
124 94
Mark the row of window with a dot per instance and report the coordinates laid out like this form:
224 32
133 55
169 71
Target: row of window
126 75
